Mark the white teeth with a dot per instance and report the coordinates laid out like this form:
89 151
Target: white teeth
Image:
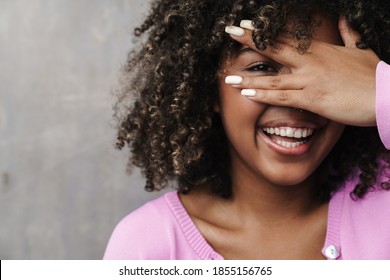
291 132
298 133
289 144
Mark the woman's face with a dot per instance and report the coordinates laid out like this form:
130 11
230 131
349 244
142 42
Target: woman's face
281 145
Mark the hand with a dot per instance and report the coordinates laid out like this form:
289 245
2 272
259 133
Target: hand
337 82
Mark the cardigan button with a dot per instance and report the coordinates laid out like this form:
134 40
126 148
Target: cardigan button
332 252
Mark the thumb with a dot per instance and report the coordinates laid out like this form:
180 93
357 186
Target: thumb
348 35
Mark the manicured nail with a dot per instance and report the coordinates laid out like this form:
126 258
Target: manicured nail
233 80
234 30
248 92
247 24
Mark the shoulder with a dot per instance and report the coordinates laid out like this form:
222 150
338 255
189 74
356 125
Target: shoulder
377 199
378 195
144 233
365 222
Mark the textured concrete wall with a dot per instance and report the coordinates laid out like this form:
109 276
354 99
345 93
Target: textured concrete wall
63 186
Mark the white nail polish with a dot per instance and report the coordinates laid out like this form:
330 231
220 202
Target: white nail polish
233 80
247 24
235 30
248 92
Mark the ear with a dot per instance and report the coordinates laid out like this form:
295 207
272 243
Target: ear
348 35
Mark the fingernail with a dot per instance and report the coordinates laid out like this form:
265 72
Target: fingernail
234 30
247 24
248 92
233 80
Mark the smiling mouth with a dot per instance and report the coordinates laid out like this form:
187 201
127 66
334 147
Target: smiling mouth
289 137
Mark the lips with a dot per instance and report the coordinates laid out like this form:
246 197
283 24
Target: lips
292 136
289 131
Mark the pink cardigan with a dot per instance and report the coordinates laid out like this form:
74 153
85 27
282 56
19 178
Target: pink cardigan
162 228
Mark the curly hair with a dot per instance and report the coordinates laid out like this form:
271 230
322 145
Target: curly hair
165 108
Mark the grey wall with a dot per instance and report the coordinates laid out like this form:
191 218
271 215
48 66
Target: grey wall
63 186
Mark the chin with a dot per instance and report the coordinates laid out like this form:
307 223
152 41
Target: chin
289 181
289 176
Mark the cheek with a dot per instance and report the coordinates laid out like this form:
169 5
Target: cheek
334 133
328 141
239 116
232 104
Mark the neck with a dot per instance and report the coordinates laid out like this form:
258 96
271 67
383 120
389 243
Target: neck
259 199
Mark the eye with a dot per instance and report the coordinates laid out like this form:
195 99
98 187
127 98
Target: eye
262 67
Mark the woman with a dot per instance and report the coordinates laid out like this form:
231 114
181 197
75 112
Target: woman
254 181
